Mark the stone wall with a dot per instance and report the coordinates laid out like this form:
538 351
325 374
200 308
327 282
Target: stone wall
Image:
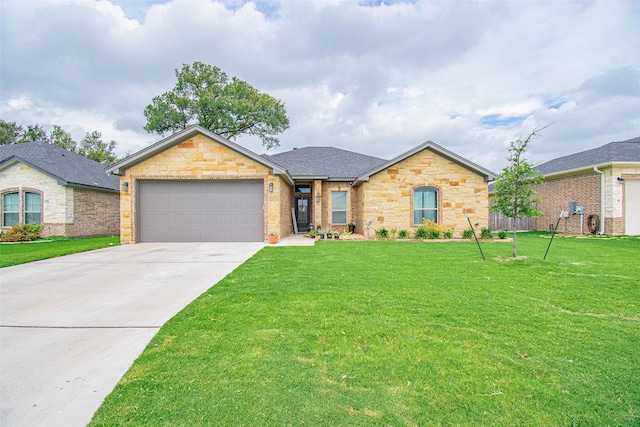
202 158
387 199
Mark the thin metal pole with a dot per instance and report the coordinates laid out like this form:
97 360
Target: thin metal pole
553 233
475 237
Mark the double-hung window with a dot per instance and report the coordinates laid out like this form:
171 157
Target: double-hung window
425 205
21 208
32 203
10 209
339 207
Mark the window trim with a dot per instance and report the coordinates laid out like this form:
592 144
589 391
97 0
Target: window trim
22 212
5 194
436 190
345 210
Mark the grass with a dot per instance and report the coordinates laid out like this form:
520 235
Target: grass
21 253
398 333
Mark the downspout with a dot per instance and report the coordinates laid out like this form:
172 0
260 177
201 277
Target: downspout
596 170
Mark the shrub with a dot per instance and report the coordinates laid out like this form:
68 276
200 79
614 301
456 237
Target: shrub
382 233
428 230
448 234
23 233
393 232
486 233
403 234
502 234
467 234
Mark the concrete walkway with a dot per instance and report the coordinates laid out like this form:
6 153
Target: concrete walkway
70 327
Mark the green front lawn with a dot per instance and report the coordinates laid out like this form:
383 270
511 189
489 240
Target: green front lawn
21 253
398 333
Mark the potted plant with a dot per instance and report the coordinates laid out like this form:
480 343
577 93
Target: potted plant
273 238
352 227
329 233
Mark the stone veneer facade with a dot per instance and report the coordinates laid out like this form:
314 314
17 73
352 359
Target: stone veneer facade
387 199
65 211
203 158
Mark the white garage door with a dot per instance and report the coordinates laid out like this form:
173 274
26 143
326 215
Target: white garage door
632 207
201 211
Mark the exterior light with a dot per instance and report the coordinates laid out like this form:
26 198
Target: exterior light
317 197
125 187
271 187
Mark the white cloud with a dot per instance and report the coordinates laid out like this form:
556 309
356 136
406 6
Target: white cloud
373 77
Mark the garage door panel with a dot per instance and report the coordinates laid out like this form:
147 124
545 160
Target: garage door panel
223 211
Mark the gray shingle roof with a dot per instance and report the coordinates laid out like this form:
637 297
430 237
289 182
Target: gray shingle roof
622 151
326 162
66 167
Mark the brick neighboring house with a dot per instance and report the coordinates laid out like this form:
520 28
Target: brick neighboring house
67 193
198 186
605 180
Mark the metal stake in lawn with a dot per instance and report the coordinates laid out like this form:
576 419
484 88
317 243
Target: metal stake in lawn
553 233
474 235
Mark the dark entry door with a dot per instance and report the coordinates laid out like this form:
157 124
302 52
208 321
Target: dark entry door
303 214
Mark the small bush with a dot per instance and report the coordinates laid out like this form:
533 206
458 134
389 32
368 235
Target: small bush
403 234
486 233
393 232
23 233
467 234
502 234
428 230
448 234
382 233
421 232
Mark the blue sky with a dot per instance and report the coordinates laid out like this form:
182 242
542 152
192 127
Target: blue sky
372 76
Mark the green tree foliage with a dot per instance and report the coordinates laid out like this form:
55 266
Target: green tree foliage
62 138
9 132
229 107
33 133
93 147
513 191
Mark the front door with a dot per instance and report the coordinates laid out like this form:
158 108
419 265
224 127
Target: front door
303 216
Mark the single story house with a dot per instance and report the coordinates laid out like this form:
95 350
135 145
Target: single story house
198 186
69 194
605 181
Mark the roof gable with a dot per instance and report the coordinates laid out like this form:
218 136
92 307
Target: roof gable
486 173
622 151
325 163
64 166
184 135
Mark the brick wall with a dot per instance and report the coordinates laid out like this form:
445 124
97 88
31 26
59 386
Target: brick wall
387 197
95 213
555 194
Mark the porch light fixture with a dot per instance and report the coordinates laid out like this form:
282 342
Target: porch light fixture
620 179
317 197
125 187
271 187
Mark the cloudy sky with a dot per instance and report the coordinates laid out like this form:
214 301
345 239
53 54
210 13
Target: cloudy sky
376 77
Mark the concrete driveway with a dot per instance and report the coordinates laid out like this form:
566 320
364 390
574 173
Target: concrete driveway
72 326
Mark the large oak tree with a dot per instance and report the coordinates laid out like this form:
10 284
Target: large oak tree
229 107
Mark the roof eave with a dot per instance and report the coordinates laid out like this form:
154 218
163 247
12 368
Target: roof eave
588 168
120 167
486 173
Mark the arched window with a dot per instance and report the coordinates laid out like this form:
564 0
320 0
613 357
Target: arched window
10 209
425 204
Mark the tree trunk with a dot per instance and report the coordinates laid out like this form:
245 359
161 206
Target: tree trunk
513 223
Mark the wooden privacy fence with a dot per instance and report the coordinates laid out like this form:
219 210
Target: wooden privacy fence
497 221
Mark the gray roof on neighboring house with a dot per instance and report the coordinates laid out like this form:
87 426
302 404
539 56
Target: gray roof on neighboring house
325 162
622 151
66 167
